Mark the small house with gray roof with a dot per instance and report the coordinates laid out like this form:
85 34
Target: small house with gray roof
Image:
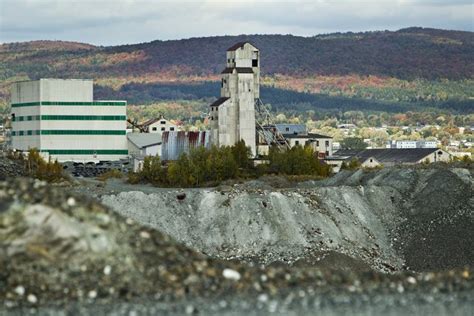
371 158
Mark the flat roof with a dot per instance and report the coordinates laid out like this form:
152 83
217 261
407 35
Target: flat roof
142 140
53 79
306 136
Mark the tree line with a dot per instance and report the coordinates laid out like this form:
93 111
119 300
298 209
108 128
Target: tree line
207 167
280 99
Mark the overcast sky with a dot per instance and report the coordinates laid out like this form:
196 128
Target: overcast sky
113 22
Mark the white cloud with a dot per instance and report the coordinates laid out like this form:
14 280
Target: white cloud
130 21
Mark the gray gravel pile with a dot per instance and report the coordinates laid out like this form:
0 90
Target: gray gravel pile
10 168
389 220
433 226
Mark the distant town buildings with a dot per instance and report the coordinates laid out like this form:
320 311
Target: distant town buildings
297 134
460 154
346 126
403 144
60 118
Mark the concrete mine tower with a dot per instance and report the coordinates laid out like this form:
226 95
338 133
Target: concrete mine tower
233 114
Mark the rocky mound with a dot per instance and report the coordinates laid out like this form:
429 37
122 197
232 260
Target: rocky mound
433 226
10 168
65 252
396 218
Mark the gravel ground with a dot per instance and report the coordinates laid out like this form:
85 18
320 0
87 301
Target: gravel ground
10 168
65 253
291 305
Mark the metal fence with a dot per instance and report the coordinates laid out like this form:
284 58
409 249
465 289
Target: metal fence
176 143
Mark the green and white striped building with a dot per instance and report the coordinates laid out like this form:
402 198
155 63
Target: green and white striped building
60 118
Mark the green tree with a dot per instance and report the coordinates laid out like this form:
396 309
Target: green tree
222 164
296 161
353 143
152 170
242 154
179 172
199 168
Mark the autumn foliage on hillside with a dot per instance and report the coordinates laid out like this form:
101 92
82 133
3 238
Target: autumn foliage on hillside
407 66
407 53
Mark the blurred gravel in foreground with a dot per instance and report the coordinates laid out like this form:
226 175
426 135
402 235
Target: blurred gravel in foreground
62 253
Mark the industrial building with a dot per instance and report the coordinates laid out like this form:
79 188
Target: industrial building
60 118
233 114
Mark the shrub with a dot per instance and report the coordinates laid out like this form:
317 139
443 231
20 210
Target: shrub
242 155
152 170
352 165
36 166
296 161
133 178
113 173
466 159
179 172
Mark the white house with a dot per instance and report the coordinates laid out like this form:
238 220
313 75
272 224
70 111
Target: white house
159 125
320 143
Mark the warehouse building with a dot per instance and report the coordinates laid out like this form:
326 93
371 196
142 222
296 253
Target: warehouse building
60 118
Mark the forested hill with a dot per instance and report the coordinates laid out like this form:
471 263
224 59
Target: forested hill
413 68
404 54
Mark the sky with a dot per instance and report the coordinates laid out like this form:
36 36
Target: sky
115 22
